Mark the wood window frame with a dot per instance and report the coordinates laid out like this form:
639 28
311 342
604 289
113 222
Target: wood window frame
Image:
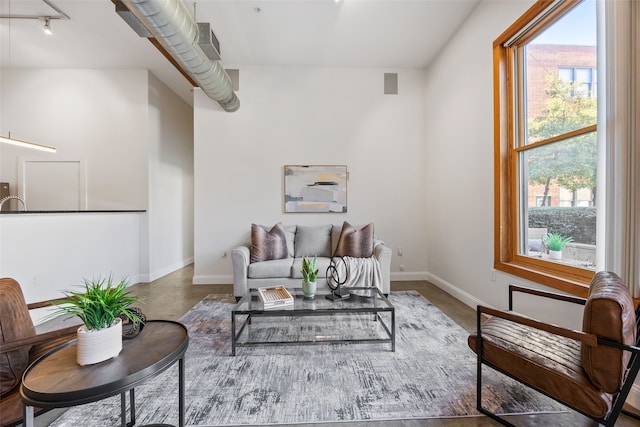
507 122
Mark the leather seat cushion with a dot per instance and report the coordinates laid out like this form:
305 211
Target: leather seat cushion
15 323
609 313
543 361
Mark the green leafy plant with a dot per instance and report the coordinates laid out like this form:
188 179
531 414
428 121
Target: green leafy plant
309 270
99 305
556 242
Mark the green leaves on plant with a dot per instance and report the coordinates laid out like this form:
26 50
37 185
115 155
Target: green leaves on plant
309 270
555 241
99 305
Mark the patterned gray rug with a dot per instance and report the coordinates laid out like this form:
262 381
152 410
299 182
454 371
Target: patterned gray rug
432 374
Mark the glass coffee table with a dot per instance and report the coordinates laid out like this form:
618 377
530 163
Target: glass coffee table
366 317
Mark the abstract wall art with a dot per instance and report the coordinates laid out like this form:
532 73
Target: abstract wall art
315 188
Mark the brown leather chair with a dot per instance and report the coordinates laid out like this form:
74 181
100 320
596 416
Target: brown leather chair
590 371
20 346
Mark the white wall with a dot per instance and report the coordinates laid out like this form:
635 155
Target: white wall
49 253
310 116
170 215
459 122
96 116
137 138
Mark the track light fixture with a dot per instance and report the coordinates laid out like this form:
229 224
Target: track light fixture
47 26
46 18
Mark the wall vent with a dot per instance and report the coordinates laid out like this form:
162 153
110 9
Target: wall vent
390 83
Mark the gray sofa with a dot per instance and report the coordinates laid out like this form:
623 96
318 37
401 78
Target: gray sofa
310 241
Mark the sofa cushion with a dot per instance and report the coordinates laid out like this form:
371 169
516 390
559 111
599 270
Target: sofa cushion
290 233
270 269
268 245
313 241
355 243
15 323
608 313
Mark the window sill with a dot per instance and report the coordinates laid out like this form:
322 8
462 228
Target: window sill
578 286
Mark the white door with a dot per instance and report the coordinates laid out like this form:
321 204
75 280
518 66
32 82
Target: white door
53 185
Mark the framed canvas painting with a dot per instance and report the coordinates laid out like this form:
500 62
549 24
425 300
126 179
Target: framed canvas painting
315 188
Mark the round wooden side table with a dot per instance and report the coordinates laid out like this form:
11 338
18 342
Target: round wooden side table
57 381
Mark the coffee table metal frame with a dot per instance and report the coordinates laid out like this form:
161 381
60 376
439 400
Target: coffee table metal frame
249 307
108 378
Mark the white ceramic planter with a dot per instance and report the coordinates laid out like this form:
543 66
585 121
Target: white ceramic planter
309 289
100 345
555 254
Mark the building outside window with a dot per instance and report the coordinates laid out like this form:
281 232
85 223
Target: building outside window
584 80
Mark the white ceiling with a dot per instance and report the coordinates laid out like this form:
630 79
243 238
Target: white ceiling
312 33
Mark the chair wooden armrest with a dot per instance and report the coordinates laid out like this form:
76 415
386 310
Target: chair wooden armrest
589 339
39 338
544 294
46 303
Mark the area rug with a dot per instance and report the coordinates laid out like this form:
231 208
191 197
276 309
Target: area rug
431 374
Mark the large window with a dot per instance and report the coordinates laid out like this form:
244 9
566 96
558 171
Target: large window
546 145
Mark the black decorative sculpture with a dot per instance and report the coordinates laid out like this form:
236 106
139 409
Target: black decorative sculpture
334 281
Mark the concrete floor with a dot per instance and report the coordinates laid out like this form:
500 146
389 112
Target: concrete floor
173 295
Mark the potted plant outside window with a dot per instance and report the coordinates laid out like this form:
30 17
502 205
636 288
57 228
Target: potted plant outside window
99 307
555 243
309 277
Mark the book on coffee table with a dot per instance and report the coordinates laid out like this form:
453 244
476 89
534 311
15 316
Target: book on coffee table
275 297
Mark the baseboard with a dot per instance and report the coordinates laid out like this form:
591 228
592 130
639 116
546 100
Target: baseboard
455 292
212 279
155 275
408 276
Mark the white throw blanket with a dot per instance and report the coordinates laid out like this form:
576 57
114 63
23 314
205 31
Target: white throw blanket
359 272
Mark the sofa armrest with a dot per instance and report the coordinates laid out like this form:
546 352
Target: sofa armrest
240 257
383 254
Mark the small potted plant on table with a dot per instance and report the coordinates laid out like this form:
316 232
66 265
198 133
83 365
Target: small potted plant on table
309 277
99 307
555 243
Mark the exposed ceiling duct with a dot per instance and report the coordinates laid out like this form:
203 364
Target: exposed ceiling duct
171 24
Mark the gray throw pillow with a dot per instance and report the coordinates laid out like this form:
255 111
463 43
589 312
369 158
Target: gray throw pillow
355 243
535 245
268 245
313 241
